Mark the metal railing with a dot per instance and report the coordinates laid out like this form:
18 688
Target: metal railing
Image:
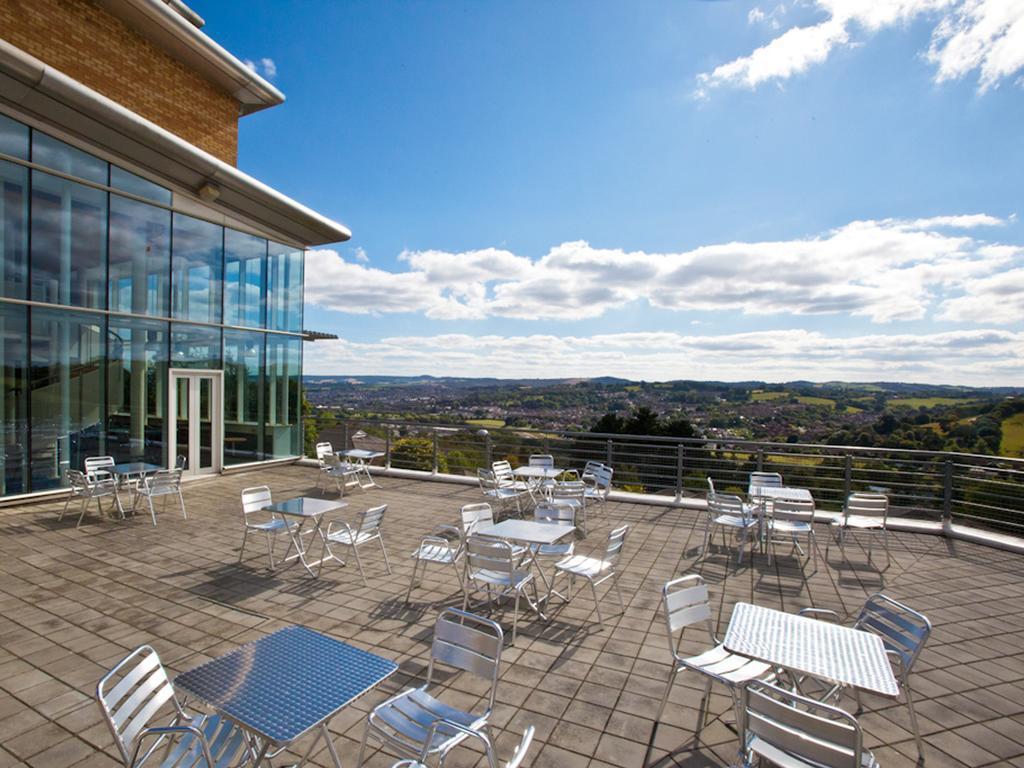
986 491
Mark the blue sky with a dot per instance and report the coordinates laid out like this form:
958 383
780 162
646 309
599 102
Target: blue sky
823 189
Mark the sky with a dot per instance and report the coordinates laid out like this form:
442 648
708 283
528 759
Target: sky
799 189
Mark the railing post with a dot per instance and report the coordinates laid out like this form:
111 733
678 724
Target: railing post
387 447
488 448
344 438
609 453
435 451
679 472
947 495
760 459
848 475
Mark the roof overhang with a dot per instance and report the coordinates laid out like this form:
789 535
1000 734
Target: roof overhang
168 26
54 98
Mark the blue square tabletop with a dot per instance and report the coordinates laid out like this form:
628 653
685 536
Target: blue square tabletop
284 684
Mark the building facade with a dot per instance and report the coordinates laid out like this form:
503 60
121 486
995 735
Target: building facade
150 293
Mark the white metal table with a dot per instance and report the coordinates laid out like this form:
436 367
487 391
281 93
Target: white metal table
305 509
762 494
133 472
821 649
286 685
362 459
538 473
534 534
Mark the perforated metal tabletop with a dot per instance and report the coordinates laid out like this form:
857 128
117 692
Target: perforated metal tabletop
281 686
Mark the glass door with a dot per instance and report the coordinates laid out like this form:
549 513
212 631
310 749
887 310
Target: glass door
196 428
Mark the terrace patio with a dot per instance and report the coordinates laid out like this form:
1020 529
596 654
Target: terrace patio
74 601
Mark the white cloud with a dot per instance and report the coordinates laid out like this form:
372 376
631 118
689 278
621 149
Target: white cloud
986 357
360 255
992 299
265 67
983 36
886 270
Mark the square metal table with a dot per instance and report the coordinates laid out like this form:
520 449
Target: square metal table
304 509
538 473
133 472
821 649
783 493
363 458
285 685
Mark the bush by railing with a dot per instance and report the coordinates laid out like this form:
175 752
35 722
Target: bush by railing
955 487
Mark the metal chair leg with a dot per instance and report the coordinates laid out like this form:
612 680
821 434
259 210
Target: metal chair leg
668 690
241 553
359 562
152 512
913 717
597 605
387 563
412 579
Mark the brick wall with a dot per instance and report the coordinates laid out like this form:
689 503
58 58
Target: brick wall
85 42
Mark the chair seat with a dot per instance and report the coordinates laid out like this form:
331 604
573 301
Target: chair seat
729 666
580 565
409 715
154 492
223 736
776 756
735 522
502 493
342 470
556 550
342 536
791 526
435 553
859 521
501 578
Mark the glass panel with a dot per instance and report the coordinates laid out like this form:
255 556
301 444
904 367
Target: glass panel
181 420
13 138
67 393
197 263
136 390
13 230
243 396
69 242
140 258
244 271
195 346
13 399
136 185
205 423
284 288
53 153
284 425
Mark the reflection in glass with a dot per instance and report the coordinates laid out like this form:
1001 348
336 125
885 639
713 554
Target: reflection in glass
53 153
136 185
67 393
181 421
205 423
140 257
13 138
244 270
284 288
13 230
13 399
243 398
69 242
195 346
284 424
136 390
196 264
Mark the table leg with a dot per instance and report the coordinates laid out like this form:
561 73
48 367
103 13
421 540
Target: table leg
300 550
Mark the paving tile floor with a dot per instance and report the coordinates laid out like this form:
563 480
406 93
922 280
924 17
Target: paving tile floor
73 601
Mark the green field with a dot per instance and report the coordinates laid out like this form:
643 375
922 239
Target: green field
811 400
492 423
927 402
758 396
853 409
1013 436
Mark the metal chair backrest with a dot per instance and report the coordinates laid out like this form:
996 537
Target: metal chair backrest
371 520
469 643
322 450
503 472
711 487
77 480
791 509
867 505
131 694
487 479
181 463
476 516
486 554
255 500
616 540
163 481
570 489
807 731
600 477
101 463
686 602
542 460
557 512
728 504
903 630
766 479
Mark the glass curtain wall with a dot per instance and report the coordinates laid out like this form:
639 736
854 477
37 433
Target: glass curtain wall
136 390
284 288
140 258
195 346
197 266
13 399
283 416
243 396
13 230
245 266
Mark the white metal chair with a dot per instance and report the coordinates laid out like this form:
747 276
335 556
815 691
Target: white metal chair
573 493
903 632
323 450
766 479
494 566
542 460
864 512
345 474
254 503
597 570
481 515
502 496
415 723
686 603
166 483
792 519
598 484
99 467
367 529
556 513
787 729
726 511
86 490
506 477
517 756
443 547
134 692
